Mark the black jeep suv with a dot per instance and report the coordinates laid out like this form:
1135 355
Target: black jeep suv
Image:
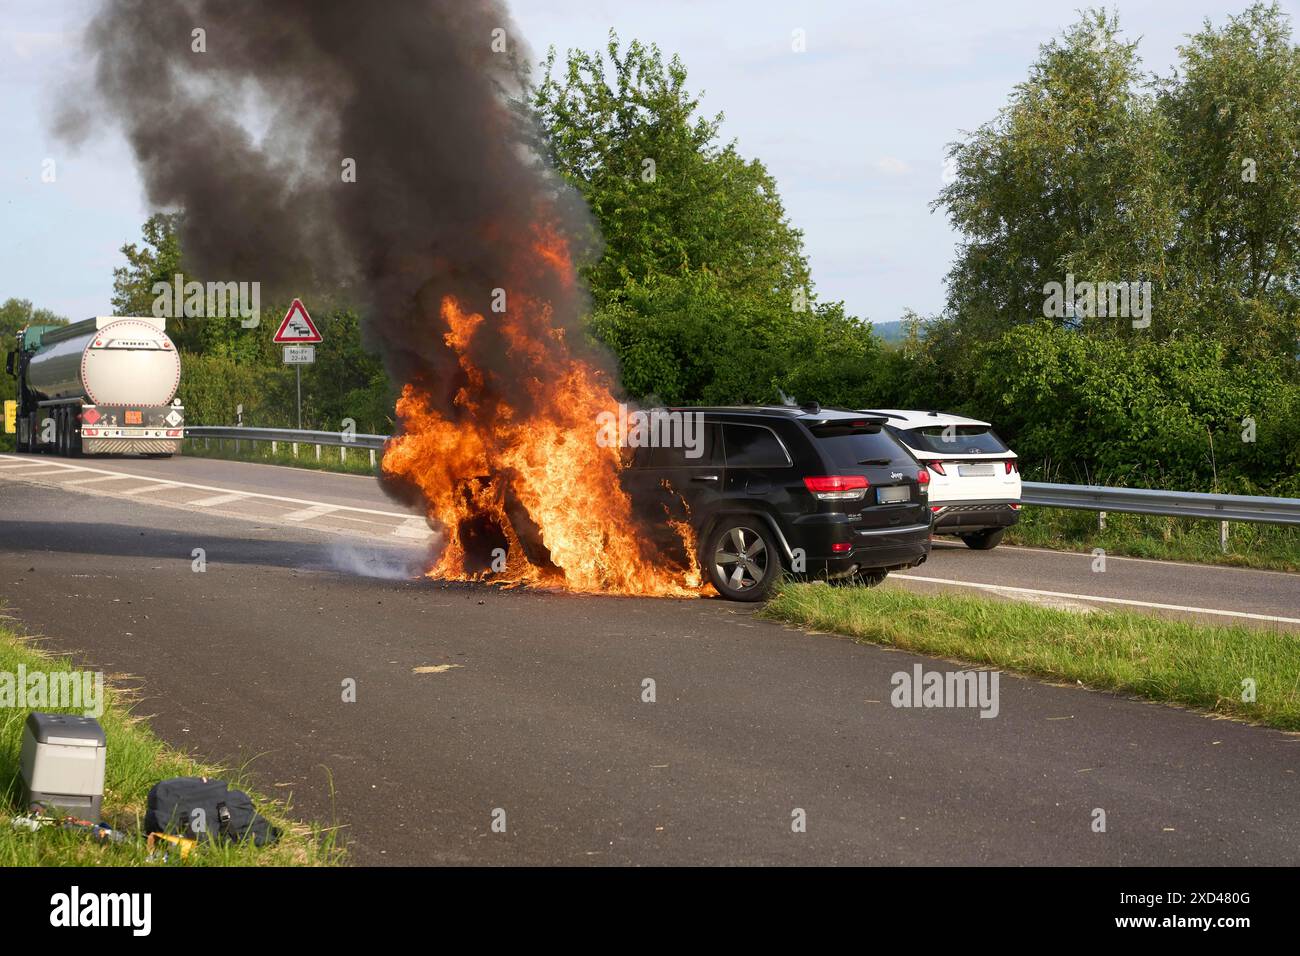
816 492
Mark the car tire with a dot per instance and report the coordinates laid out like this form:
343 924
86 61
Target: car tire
741 560
984 540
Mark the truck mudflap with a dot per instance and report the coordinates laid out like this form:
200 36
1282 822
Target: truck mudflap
132 430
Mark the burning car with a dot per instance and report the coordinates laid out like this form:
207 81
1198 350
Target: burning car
782 489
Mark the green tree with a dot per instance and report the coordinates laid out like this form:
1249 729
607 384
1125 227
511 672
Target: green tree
1235 134
225 365
1174 413
701 287
668 196
16 314
156 259
1070 177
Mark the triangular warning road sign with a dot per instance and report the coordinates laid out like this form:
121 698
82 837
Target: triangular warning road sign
297 327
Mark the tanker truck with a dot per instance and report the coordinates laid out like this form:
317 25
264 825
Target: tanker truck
103 386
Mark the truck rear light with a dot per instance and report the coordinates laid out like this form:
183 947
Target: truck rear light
837 487
841 547
936 507
1015 506
1010 464
90 415
936 467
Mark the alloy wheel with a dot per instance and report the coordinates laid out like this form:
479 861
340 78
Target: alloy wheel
741 559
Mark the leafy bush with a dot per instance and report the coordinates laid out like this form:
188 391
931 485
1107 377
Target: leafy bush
1175 413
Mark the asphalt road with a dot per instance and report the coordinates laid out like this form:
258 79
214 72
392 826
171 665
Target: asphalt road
356 505
541 714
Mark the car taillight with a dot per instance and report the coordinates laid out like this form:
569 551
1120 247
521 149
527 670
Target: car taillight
936 467
837 487
923 478
841 547
1010 464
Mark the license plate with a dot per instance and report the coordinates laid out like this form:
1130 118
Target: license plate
893 494
984 470
134 418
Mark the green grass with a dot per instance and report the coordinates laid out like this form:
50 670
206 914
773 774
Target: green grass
136 761
1272 547
357 461
1164 660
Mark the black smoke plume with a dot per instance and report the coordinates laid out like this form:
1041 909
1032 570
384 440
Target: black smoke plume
249 138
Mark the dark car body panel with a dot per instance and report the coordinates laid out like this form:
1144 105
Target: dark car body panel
754 463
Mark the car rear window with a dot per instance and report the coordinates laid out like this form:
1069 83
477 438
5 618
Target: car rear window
848 447
753 446
955 440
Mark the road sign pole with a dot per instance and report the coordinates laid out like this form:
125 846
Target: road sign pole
299 335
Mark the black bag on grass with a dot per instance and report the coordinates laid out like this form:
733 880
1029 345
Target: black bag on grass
225 814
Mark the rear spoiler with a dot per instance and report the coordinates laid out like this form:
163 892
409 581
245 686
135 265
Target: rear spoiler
863 422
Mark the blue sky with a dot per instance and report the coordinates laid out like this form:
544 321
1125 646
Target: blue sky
853 129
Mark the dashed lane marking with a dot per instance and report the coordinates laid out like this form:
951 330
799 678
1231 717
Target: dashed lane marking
216 499
315 511
152 485
47 471
305 510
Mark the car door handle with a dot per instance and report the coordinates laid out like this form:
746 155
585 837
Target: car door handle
706 478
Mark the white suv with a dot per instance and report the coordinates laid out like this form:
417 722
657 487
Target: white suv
974 476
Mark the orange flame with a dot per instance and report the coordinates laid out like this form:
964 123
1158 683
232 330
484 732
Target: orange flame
533 482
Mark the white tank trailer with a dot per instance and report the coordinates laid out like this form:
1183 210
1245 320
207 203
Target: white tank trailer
103 386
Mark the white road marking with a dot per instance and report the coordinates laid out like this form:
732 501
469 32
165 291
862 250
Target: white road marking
35 464
154 485
416 528
50 471
247 494
1104 600
306 514
1087 555
409 526
218 500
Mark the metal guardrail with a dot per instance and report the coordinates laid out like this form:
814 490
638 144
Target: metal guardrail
287 435
292 437
1147 501
1152 501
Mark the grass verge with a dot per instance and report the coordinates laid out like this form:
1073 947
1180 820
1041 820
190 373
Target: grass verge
1181 663
355 462
136 761
1271 547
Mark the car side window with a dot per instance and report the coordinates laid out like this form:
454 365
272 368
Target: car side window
702 448
753 446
